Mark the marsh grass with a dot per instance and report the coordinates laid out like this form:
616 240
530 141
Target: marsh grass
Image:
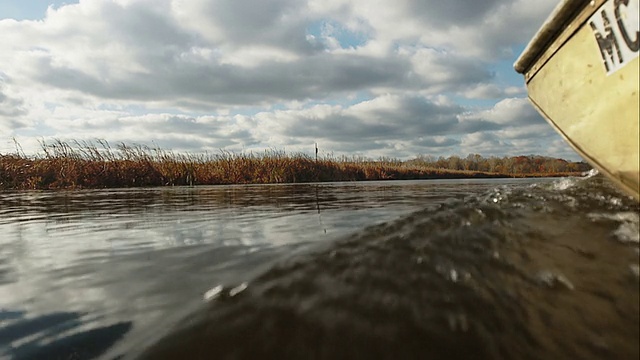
64 165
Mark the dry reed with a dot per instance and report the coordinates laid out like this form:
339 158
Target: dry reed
86 164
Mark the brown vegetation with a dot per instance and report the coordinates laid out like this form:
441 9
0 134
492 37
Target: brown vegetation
87 165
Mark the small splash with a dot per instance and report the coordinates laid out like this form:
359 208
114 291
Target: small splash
453 275
628 230
553 280
564 184
570 182
219 291
589 174
635 270
616 202
238 289
212 293
498 195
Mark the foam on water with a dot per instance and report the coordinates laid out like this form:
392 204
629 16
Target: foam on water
564 183
628 230
552 279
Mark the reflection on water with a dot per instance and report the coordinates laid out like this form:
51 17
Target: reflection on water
25 338
82 261
104 273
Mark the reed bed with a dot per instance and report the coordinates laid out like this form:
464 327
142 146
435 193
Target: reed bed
64 165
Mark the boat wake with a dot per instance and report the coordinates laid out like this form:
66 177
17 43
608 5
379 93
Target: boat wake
516 273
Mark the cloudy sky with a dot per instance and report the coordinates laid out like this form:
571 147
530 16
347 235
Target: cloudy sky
369 78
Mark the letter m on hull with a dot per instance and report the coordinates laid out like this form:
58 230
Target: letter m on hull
615 28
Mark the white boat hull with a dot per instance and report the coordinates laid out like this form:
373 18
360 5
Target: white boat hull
584 81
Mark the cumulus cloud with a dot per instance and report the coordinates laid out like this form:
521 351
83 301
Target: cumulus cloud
12 111
507 112
488 29
9 106
375 77
493 91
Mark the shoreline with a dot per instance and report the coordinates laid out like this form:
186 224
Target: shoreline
65 174
86 166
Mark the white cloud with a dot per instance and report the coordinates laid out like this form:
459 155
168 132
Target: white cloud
373 77
493 91
507 112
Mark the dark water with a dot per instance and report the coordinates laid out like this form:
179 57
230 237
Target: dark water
483 269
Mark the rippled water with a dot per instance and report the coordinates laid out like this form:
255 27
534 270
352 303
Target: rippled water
511 269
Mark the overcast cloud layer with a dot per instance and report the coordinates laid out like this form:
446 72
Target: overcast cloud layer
359 77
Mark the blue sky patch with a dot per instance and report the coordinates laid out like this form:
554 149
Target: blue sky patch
327 29
28 9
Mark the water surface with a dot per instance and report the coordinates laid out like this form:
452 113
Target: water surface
492 268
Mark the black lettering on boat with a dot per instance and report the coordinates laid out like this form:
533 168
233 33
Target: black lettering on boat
633 45
607 43
617 33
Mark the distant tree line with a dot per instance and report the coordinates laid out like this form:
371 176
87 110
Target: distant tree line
525 164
